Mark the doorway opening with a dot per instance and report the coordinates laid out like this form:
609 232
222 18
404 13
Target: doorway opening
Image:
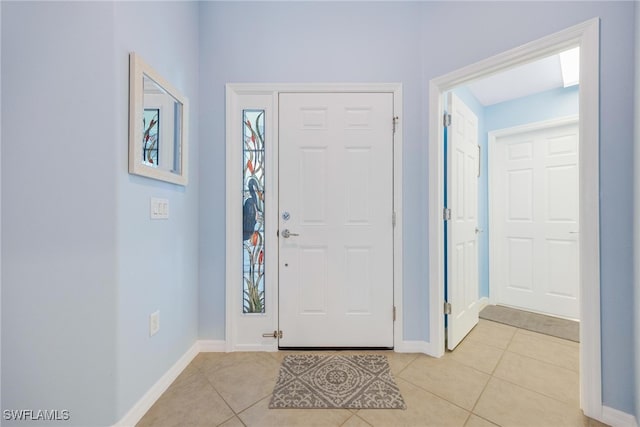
586 36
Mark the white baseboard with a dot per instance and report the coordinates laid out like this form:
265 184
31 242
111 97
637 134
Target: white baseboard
617 418
482 303
212 346
415 347
141 407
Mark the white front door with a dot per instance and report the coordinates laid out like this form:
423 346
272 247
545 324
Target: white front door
534 220
336 219
462 228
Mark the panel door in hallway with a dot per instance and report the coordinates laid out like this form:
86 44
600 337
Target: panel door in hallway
534 195
462 227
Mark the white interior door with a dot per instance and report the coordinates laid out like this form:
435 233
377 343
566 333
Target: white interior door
335 225
534 220
462 228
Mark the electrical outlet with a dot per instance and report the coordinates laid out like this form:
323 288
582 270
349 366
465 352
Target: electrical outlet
154 323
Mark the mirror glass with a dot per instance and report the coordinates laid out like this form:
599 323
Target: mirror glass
158 118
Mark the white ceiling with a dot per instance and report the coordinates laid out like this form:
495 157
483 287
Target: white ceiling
528 79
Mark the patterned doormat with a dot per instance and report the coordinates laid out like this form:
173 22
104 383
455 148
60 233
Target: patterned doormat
336 381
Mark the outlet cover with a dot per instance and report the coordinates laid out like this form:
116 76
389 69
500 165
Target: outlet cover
154 323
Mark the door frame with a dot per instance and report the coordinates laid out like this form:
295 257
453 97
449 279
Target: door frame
243 332
587 36
491 152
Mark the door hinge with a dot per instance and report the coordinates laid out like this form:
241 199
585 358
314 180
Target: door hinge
274 334
446 214
393 219
447 308
446 120
394 120
394 313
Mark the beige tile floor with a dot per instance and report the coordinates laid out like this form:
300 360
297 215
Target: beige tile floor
499 375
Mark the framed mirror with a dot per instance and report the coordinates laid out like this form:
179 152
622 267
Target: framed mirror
158 123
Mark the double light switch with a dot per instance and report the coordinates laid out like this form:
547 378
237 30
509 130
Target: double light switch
159 208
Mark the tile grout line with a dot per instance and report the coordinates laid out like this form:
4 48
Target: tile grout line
546 362
492 376
235 414
437 395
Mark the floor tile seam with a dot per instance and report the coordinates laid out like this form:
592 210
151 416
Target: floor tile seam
512 382
486 384
355 415
230 418
498 325
435 394
485 419
539 393
469 367
239 413
545 342
267 396
475 404
173 388
548 338
478 341
405 367
215 389
556 365
473 367
468 418
496 367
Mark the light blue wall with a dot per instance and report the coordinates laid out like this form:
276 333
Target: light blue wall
59 217
403 42
310 42
86 264
513 24
157 260
547 105
72 225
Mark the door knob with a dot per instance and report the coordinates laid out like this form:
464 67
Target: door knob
286 233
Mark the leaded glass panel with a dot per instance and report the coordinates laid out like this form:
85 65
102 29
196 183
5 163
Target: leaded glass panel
151 136
253 211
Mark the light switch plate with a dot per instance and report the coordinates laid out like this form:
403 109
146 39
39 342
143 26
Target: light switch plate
159 208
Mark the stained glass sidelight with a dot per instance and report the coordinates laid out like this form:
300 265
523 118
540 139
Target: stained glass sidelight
253 212
151 136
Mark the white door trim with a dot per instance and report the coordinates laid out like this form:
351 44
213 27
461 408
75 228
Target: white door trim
266 94
491 155
587 36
